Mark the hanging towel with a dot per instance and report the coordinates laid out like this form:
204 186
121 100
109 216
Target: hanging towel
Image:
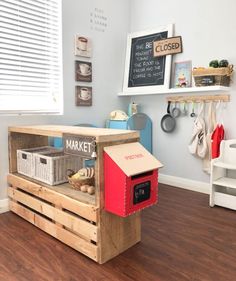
216 138
198 144
210 128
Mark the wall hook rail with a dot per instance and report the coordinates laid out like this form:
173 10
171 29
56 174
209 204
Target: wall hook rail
197 99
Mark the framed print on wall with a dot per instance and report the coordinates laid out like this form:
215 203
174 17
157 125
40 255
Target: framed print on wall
182 74
83 46
83 71
83 96
145 73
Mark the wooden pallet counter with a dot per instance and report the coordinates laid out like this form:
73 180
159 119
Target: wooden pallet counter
71 216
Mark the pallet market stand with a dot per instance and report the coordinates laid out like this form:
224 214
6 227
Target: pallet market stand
71 216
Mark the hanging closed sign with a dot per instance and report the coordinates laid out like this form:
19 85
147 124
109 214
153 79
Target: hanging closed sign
169 46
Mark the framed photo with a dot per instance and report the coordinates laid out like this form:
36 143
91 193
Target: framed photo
182 74
145 73
83 96
83 71
83 46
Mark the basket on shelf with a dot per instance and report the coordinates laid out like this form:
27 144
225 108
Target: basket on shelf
211 76
77 183
86 179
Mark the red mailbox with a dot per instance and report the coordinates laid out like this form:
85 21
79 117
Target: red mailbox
131 178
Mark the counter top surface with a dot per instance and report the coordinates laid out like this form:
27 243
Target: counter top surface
101 134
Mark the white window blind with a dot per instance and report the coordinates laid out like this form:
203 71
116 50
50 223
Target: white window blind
30 56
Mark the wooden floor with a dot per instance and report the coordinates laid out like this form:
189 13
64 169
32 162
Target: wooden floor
182 239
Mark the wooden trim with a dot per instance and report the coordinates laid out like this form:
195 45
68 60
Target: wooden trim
201 98
86 211
61 234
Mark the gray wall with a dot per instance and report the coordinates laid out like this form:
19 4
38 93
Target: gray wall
108 65
207 29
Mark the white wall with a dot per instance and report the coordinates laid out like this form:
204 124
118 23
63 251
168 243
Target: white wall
207 29
109 49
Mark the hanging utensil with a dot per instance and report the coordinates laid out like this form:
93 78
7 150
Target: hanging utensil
193 110
175 112
184 111
168 122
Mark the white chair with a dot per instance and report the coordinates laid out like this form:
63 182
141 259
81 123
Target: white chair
223 176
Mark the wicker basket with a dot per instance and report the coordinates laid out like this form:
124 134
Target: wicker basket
76 184
212 76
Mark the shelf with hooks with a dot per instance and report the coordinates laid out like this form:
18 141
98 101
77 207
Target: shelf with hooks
199 98
206 89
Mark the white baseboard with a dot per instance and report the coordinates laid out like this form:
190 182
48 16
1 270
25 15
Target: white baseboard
4 205
185 183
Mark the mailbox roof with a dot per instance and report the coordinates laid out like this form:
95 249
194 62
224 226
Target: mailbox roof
132 158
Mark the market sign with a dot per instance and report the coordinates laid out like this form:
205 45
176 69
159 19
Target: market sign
83 146
169 46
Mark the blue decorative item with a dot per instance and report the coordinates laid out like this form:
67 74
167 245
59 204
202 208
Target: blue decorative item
142 123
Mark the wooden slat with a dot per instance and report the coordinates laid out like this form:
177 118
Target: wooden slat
61 234
86 211
80 227
77 225
101 134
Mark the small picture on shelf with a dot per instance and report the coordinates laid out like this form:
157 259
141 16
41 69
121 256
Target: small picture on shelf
182 74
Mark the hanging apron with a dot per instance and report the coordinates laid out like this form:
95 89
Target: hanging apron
210 128
198 144
217 136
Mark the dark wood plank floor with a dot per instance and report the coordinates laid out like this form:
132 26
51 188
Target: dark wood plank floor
182 239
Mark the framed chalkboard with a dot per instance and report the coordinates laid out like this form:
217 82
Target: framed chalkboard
145 73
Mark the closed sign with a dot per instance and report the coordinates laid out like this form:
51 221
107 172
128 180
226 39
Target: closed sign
169 46
82 146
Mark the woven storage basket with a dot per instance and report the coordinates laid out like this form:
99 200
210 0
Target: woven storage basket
51 167
212 76
76 184
25 159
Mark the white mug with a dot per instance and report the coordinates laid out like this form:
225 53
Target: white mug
84 93
84 68
82 43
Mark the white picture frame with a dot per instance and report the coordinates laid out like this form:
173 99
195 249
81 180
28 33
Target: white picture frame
139 43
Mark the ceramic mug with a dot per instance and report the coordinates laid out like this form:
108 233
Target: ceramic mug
84 94
84 68
82 43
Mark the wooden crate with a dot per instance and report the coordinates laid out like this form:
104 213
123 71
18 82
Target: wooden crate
73 217
70 221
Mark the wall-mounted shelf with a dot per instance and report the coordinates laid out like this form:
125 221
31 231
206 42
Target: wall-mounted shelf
179 90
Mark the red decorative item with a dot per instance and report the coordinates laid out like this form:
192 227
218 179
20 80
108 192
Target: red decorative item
216 138
131 178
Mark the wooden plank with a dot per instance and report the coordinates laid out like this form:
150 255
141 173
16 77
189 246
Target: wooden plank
86 211
59 233
77 225
118 234
21 141
101 134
